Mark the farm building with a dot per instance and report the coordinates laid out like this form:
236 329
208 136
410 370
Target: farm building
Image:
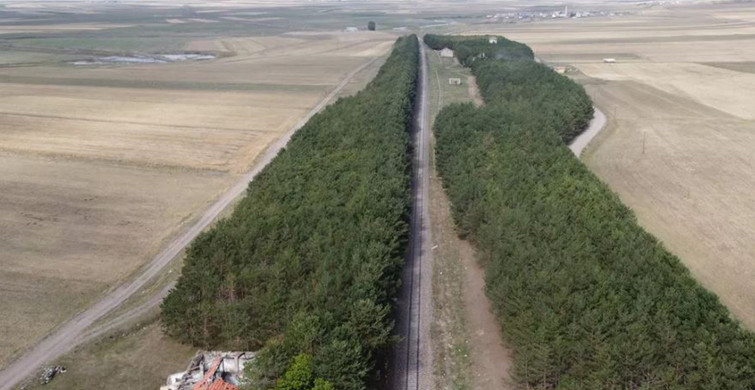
351 29
454 81
446 52
609 60
493 40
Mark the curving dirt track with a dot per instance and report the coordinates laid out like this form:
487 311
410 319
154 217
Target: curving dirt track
597 124
71 333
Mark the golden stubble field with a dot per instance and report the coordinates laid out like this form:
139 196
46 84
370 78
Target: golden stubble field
679 144
100 166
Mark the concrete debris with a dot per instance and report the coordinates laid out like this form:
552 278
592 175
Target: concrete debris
211 370
49 373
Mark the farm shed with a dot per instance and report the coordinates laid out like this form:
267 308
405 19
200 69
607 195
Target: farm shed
446 52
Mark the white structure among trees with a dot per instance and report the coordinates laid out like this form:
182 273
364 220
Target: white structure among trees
446 52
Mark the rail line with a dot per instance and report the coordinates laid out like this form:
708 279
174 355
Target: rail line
411 366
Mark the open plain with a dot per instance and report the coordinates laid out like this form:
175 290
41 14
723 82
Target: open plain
102 164
681 128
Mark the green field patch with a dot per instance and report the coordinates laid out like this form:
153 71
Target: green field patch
114 44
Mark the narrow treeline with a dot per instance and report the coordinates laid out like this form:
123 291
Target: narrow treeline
468 49
586 298
307 267
517 80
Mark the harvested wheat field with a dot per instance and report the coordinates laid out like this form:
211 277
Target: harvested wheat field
679 144
100 165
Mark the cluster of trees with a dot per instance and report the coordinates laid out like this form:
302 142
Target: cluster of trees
307 267
515 79
469 49
586 298
527 83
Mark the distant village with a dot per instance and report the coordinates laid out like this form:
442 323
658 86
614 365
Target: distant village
565 13
513 17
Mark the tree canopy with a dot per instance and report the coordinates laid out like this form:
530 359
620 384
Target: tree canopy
469 49
308 264
586 298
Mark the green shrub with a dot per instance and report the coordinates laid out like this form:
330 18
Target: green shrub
299 374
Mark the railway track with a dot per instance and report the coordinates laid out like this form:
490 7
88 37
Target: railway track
411 366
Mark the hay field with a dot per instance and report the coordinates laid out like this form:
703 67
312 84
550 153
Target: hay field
217 131
679 144
101 165
72 228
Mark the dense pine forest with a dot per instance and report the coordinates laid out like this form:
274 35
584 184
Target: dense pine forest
307 267
468 49
586 298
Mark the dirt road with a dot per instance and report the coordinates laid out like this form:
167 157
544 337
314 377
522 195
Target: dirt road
597 124
412 365
71 333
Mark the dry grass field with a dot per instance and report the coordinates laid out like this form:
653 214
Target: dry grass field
450 333
141 358
72 228
101 165
679 144
467 345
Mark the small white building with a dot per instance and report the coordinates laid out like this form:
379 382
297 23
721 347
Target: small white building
447 53
493 40
351 29
454 81
609 60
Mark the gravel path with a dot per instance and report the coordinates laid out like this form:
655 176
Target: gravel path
597 124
